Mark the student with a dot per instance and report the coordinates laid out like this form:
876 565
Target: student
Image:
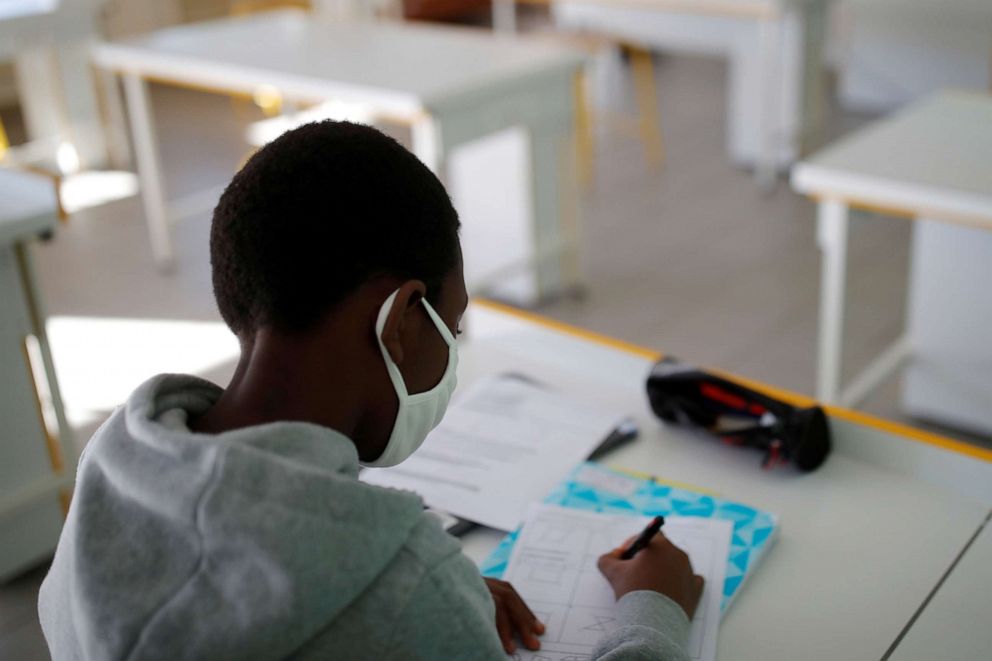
230 524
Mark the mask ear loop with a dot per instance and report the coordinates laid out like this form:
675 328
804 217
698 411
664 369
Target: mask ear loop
391 368
446 335
441 326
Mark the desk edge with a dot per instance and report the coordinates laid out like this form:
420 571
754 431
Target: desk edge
796 399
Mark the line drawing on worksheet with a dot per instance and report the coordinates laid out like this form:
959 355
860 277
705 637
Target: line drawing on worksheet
553 567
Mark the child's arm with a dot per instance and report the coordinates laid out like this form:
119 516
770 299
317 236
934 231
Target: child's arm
652 626
657 593
449 615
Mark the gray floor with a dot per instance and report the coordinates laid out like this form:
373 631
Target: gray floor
694 260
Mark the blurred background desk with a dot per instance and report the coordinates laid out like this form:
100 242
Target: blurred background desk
894 52
48 41
37 457
775 47
863 540
931 163
453 86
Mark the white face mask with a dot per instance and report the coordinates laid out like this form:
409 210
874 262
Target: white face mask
420 413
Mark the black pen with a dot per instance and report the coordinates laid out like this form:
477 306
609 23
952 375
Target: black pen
644 538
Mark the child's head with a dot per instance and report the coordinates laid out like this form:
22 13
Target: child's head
317 213
324 248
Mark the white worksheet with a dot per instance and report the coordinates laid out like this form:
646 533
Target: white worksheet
502 446
553 567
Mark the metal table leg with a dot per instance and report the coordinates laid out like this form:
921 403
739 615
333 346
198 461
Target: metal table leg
149 170
832 223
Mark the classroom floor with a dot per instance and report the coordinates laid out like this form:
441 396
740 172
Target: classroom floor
694 260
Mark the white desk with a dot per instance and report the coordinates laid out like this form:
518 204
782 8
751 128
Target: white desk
48 42
863 539
33 467
931 162
453 85
774 48
899 51
954 626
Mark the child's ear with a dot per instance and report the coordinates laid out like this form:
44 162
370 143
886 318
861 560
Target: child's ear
407 299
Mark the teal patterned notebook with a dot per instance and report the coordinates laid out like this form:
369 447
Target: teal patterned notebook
594 487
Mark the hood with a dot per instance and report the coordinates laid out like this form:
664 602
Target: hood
238 545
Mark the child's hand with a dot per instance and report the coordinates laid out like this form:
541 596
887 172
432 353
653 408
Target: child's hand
661 566
513 616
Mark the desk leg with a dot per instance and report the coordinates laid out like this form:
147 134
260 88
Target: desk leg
769 44
554 210
58 103
149 170
426 139
118 147
814 92
37 318
832 222
505 16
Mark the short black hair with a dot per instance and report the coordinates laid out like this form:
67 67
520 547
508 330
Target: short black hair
318 212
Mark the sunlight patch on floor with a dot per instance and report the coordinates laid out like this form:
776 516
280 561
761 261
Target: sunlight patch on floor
99 361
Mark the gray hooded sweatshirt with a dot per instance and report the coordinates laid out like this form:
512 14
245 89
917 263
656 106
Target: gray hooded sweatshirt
261 543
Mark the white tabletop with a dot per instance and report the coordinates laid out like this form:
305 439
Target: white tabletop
955 624
933 159
27 23
760 9
11 9
860 547
27 205
399 67
734 8
977 8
